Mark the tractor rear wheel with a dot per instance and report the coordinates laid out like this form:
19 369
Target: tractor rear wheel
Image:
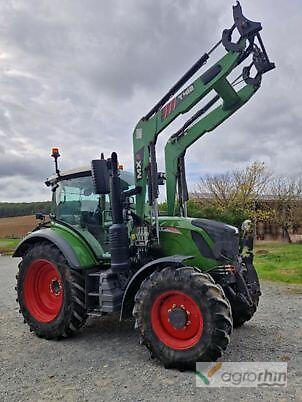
51 295
183 317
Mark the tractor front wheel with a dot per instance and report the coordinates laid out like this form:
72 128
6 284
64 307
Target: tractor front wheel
51 295
183 317
241 315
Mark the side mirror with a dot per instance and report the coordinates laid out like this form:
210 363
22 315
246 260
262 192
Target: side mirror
100 176
40 216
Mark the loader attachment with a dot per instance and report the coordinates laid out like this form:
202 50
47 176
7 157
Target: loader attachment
165 111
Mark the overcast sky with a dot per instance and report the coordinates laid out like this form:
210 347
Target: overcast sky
79 74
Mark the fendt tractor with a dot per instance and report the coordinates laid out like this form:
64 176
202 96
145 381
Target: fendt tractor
107 249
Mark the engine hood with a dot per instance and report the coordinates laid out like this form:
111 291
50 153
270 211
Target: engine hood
225 237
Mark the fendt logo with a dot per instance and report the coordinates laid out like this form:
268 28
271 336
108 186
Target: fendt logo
139 157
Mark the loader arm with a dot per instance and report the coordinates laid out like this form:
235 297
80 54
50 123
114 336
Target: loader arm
167 110
177 146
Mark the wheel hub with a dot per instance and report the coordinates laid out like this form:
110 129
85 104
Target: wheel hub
55 287
178 317
177 320
43 290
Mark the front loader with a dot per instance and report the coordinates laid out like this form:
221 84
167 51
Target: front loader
106 249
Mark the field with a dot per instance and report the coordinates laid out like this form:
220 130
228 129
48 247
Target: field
7 245
16 227
13 229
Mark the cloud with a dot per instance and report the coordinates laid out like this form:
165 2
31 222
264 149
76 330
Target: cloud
79 75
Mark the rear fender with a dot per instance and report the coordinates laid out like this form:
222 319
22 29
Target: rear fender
77 255
141 275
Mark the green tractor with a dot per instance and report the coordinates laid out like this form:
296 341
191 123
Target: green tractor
106 249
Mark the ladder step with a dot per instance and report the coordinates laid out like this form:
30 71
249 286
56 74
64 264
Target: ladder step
94 313
93 294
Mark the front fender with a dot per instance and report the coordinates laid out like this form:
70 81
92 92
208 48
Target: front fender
77 255
146 270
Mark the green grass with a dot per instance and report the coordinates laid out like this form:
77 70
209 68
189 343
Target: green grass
7 246
280 262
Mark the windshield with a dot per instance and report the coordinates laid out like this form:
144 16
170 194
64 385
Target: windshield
76 204
75 196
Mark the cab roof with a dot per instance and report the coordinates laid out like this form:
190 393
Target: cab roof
83 171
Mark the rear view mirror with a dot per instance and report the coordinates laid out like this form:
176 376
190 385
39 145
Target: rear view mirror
100 176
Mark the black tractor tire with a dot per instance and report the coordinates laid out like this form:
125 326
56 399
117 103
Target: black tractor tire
204 302
240 316
51 295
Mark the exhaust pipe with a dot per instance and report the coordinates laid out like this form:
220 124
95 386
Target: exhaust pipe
118 231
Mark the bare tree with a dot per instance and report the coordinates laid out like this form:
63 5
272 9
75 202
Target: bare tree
237 188
218 189
257 193
251 183
287 193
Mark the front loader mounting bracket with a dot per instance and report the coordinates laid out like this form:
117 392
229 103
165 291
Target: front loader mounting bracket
246 28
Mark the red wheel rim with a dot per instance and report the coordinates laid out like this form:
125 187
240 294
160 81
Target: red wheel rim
43 290
185 335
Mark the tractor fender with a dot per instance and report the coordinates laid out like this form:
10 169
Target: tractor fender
52 237
146 270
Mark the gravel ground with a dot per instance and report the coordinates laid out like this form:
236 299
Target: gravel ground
104 361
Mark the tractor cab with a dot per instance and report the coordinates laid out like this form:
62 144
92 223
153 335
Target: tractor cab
75 203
